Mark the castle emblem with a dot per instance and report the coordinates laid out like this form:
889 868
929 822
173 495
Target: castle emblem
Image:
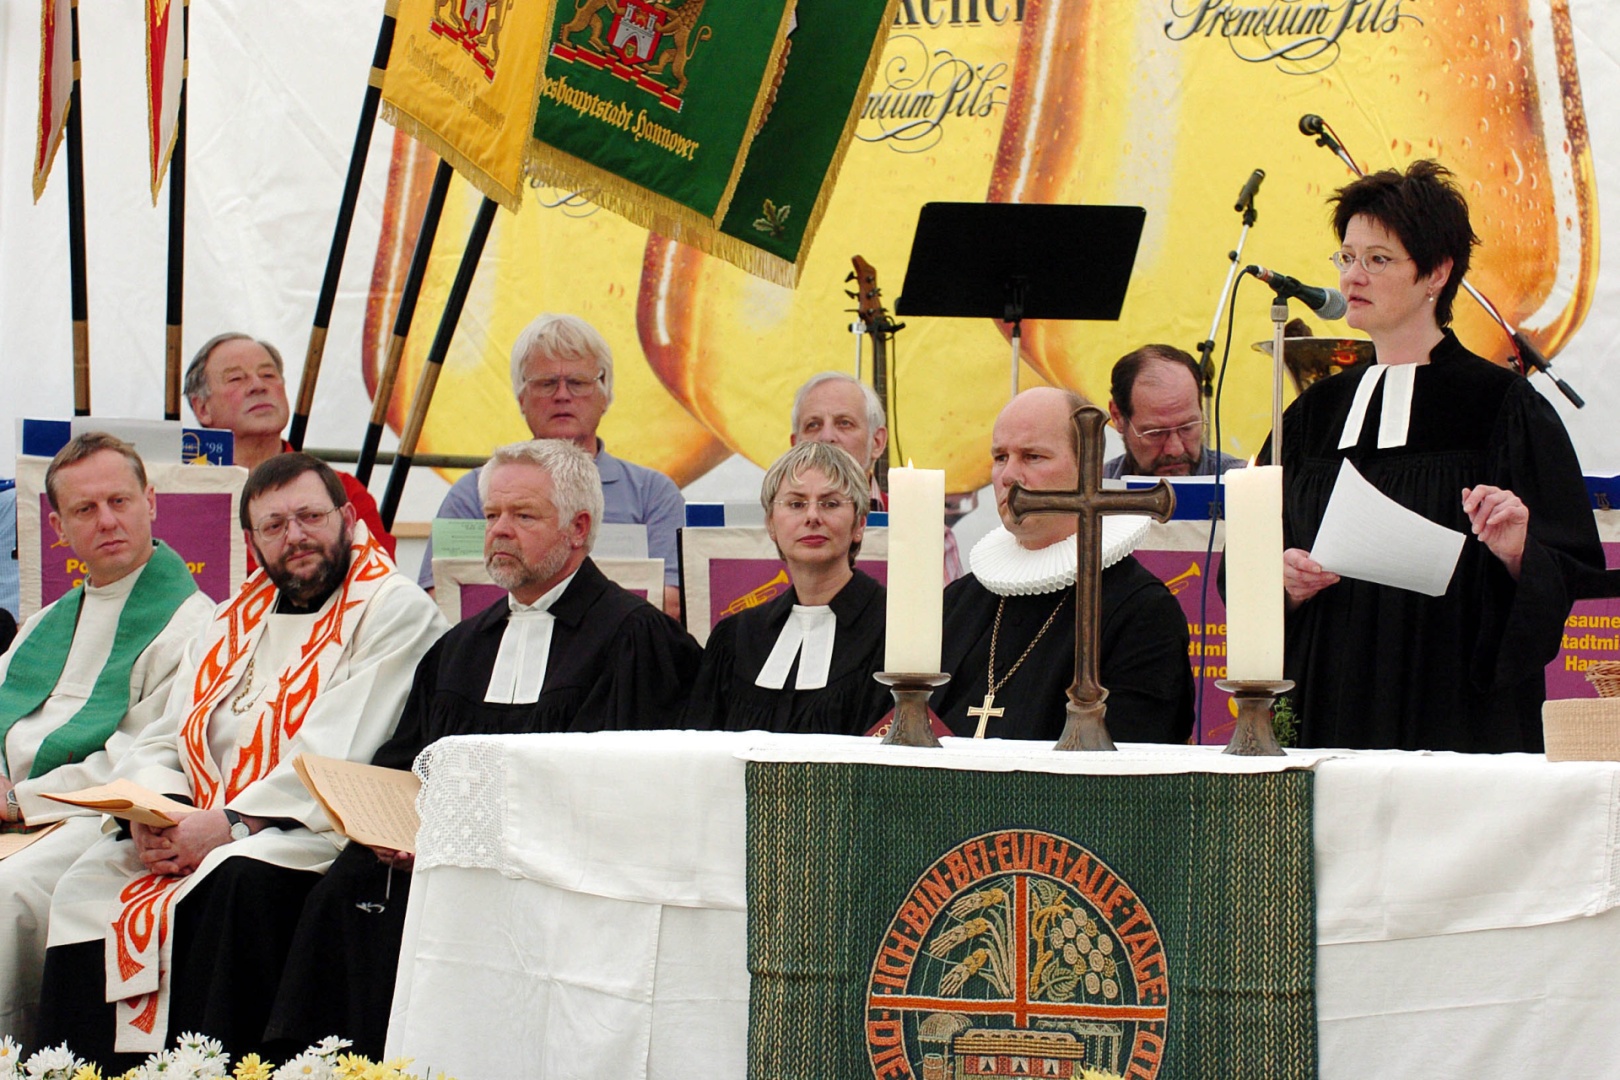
645 39
1018 953
476 25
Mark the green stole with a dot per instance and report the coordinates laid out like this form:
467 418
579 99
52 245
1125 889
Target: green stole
36 667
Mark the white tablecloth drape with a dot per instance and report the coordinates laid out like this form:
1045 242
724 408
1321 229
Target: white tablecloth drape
579 903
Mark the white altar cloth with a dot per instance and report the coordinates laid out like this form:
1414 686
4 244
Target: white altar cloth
579 903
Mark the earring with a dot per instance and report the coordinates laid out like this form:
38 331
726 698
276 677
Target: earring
1431 298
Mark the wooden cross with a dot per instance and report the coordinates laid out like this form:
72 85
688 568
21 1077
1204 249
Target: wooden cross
1085 729
984 712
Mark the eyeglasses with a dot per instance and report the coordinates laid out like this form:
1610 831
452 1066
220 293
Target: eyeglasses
828 505
1374 263
578 385
273 528
1190 432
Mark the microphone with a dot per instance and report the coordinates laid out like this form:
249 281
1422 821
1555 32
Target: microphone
1328 303
1245 199
1311 124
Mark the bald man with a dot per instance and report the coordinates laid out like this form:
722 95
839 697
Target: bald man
1009 624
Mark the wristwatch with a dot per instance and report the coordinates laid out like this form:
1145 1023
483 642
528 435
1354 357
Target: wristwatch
239 828
13 811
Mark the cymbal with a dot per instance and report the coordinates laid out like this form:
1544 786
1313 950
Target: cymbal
1311 358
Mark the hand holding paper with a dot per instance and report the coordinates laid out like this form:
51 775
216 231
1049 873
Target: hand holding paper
1367 535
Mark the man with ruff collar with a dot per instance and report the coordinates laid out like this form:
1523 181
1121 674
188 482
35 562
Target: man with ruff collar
1009 624
158 931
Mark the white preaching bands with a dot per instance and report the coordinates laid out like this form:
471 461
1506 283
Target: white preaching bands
1396 416
808 634
520 666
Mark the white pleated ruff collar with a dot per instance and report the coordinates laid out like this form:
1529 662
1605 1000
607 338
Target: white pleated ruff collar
1007 568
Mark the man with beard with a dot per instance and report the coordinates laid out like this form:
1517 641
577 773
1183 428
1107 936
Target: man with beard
159 931
1154 407
568 651
1009 624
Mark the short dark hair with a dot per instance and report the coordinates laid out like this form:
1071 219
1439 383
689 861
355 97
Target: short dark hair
1425 210
1129 366
196 381
84 445
281 470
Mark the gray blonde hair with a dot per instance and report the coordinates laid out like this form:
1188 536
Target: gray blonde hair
562 337
196 386
575 483
86 444
833 462
874 408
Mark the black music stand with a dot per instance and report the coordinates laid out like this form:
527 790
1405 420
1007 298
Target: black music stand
1016 261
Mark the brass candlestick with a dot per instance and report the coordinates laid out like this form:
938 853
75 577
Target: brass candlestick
1254 736
911 691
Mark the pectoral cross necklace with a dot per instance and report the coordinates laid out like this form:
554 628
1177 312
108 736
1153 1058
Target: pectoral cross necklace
984 712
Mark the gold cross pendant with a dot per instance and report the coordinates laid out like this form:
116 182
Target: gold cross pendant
984 713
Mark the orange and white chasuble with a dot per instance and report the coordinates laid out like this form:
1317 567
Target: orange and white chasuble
337 690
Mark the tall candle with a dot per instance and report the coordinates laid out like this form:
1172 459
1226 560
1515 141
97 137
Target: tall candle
1254 573
916 570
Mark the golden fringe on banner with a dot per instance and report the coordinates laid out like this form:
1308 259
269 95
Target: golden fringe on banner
438 144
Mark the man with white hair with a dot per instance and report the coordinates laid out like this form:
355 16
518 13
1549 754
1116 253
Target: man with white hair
1010 625
568 651
836 408
562 377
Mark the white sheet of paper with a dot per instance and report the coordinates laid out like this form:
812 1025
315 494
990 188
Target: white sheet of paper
620 542
1367 535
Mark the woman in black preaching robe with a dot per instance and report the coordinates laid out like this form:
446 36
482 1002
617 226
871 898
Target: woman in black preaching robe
1467 444
803 662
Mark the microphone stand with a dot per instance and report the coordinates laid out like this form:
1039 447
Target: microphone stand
1206 348
1529 357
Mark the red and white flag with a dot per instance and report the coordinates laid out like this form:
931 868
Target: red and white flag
165 70
55 84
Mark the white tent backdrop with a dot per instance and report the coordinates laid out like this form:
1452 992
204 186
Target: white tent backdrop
275 91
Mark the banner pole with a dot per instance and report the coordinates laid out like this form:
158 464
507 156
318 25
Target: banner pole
435 360
80 304
402 321
340 232
173 318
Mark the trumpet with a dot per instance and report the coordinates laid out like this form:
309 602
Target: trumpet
759 594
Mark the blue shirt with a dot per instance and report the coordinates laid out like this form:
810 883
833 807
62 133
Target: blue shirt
631 495
1114 467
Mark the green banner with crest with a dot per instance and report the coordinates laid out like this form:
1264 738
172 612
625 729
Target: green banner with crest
667 112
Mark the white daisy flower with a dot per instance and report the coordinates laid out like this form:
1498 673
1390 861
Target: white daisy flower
52 1063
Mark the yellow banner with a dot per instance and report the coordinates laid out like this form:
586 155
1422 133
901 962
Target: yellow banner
462 78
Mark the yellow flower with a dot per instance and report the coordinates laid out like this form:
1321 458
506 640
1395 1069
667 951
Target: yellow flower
87 1072
353 1066
250 1067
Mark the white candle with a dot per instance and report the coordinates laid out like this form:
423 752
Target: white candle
1254 573
916 570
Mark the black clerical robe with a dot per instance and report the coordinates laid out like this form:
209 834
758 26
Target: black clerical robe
616 663
727 699
1389 668
1142 664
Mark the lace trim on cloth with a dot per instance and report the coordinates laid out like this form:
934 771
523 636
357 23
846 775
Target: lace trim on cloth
1008 569
463 810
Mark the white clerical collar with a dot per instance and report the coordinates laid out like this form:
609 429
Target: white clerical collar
520 665
808 634
120 588
1395 418
1007 568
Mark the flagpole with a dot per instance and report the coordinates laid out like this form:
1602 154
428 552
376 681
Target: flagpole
435 360
177 234
80 303
340 233
402 320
